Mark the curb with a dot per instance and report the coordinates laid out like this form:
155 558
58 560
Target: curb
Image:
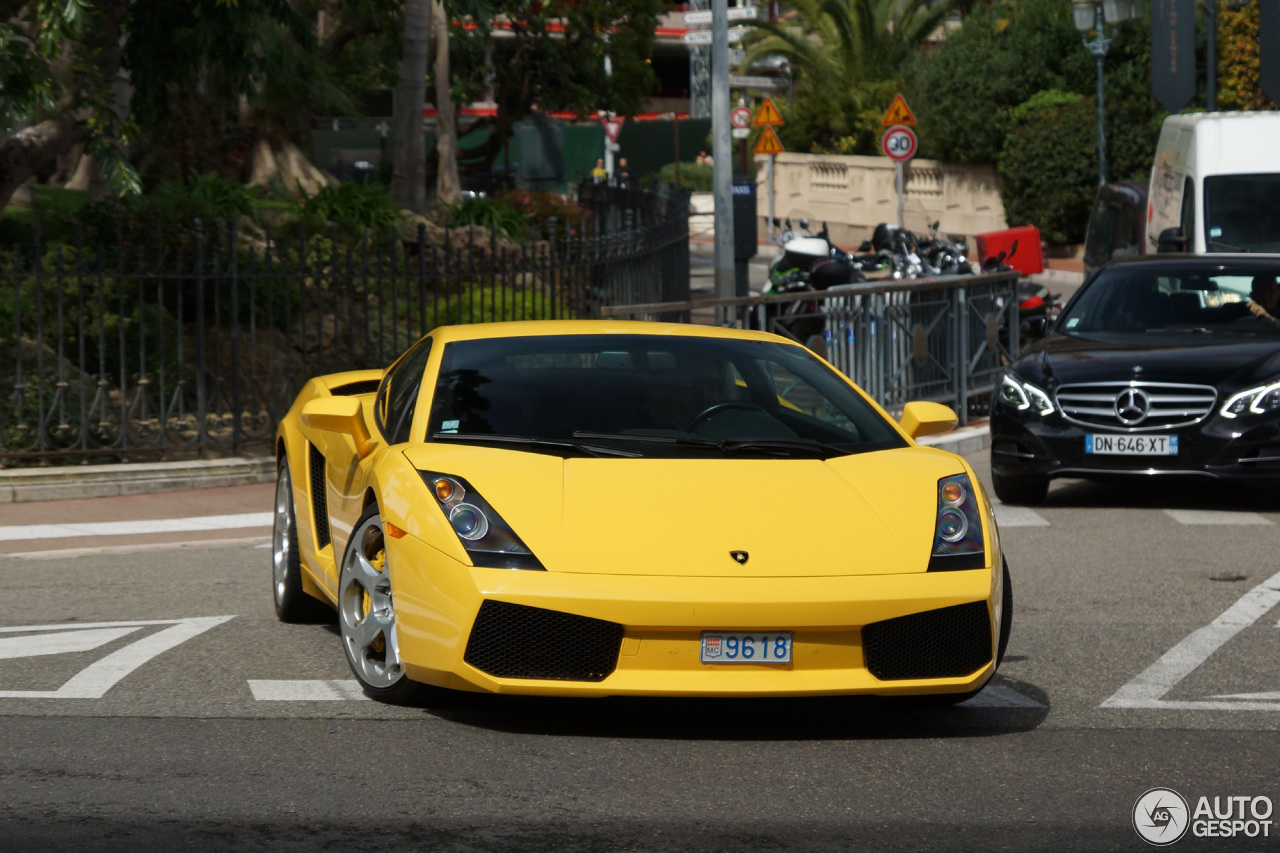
136 478
144 478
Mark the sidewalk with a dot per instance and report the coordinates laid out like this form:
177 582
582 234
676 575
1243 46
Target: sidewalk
58 489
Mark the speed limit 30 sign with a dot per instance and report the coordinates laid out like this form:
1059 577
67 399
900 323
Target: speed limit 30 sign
899 143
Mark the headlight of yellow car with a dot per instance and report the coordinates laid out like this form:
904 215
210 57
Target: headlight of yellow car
488 540
957 535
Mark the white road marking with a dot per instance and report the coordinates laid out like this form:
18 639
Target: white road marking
1018 516
1146 690
67 553
1253 696
63 642
95 680
307 691
12 533
1000 696
1212 516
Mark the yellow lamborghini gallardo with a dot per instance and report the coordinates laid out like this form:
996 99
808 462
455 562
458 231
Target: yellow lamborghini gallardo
605 508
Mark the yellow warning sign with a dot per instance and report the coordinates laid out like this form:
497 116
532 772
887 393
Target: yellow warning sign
899 113
768 142
768 116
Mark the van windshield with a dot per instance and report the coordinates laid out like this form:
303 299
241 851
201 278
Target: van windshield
1240 213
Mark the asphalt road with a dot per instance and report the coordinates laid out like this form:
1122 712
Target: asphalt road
140 708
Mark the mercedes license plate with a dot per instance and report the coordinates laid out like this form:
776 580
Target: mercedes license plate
746 647
1132 445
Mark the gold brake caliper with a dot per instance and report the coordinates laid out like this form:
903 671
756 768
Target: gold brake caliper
379 562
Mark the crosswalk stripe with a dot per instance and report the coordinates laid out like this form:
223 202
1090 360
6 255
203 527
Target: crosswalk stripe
1212 516
307 691
1019 516
12 533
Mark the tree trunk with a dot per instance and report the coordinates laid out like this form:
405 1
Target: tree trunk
408 180
32 148
448 185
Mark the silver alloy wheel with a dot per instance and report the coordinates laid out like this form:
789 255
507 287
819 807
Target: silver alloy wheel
283 535
366 618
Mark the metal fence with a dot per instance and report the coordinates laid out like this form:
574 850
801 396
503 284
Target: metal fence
943 339
198 345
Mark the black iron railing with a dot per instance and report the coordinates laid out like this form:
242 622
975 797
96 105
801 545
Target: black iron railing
198 345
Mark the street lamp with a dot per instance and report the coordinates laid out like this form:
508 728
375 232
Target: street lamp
1094 15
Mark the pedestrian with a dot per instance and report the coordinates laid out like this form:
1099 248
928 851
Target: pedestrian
598 174
704 159
623 173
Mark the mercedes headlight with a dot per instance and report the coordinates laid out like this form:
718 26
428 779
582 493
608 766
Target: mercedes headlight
1254 401
957 533
488 540
1024 396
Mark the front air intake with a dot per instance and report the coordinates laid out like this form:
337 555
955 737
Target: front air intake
947 643
516 641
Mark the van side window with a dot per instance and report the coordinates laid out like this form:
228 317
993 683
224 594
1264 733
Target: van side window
1188 218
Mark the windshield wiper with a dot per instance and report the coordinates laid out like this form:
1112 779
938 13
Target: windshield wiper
529 441
728 446
781 446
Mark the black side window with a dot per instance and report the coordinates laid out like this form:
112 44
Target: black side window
399 392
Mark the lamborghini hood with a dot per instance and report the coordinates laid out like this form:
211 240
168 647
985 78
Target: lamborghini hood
867 514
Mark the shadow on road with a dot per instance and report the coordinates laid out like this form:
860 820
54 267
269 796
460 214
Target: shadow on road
809 718
1164 493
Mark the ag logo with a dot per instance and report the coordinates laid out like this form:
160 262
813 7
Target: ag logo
740 556
1161 816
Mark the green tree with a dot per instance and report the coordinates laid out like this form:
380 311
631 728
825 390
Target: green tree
1238 57
1049 165
551 59
849 55
965 91
57 65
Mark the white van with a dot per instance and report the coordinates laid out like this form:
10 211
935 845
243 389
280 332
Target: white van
1216 176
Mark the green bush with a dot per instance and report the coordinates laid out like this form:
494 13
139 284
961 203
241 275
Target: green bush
1049 165
480 303
538 207
693 176
1049 169
353 206
490 213
965 92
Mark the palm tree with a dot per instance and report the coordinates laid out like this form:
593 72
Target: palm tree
850 50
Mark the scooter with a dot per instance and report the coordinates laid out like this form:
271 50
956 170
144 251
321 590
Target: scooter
809 262
1034 299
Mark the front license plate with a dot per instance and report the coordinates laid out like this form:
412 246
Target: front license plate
746 647
1132 445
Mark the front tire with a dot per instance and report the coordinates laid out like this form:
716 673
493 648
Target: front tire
1020 490
366 614
291 601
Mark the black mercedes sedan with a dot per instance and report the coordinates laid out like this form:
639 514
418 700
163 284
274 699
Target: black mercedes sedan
1159 365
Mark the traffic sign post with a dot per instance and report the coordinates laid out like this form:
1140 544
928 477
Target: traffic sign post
768 117
898 113
899 144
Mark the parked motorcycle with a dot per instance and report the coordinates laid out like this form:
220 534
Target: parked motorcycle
809 262
1034 299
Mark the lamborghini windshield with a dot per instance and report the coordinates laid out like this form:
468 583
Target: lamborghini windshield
1177 297
664 396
